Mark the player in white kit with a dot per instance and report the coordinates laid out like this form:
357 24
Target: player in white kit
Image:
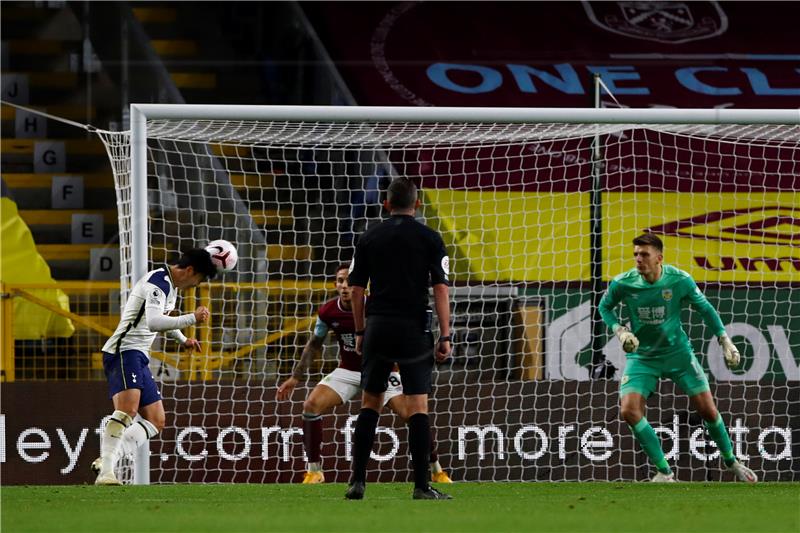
126 355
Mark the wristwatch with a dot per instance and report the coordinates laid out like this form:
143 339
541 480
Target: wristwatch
445 339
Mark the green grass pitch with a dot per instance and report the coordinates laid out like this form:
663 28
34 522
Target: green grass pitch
478 507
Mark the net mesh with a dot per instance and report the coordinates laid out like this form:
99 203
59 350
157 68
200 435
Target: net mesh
525 210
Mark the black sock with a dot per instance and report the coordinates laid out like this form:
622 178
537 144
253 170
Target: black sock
419 435
363 437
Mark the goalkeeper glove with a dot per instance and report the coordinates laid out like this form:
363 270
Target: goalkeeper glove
730 351
629 341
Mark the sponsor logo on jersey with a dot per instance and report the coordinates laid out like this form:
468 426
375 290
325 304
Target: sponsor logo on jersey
348 340
664 22
446 266
652 315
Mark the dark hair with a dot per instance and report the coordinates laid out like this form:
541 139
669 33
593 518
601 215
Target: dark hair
341 266
649 239
402 193
200 260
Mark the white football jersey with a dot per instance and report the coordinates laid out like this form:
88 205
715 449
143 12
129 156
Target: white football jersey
155 291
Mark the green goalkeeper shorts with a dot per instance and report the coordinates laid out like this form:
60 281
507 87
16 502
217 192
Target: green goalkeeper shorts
642 374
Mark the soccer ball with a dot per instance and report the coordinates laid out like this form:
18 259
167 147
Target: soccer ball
223 255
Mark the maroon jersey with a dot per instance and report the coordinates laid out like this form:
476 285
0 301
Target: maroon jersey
333 317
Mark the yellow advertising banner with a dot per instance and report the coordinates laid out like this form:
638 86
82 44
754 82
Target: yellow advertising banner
716 237
512 236
520 236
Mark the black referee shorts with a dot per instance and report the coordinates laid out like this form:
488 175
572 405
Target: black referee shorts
389 340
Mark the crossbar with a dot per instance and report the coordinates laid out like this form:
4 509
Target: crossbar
466 114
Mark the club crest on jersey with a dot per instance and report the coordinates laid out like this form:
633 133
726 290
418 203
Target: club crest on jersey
664 22
666 294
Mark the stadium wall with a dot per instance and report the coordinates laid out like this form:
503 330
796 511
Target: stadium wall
548 430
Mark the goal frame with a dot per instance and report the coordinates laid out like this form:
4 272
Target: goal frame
141 113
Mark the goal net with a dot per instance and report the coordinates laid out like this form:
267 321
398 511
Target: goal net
538 213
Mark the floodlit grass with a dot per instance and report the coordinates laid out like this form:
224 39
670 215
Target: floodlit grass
388 507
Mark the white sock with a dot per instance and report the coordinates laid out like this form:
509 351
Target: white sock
137 434
314 467
112 437
436 467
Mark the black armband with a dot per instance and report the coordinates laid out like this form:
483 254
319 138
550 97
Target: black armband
360 333
445 339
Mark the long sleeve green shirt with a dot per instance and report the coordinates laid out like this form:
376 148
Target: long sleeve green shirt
655 309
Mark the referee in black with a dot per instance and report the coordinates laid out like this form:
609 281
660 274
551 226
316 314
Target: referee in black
401 258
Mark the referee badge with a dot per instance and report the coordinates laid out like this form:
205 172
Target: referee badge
666 294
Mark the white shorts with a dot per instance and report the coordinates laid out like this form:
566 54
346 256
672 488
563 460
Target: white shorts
347 384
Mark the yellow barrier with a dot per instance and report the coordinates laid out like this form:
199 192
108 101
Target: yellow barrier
93 313
7 332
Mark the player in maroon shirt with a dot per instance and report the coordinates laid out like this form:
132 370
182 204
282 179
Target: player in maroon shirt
344 383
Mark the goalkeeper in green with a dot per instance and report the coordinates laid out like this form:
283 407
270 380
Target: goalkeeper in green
657 347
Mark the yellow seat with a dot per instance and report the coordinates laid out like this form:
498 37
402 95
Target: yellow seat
161 15
288 252
52 217
72 146
253 181
72 112
51 80
272 217
67 252
174 47
194 80
45 181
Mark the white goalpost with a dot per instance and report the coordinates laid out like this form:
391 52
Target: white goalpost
538 208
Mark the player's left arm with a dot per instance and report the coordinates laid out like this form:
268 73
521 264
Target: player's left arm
358 278
188 343
177 335
700 303
359 317
439 269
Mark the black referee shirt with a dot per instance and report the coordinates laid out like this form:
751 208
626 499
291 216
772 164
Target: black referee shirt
401 258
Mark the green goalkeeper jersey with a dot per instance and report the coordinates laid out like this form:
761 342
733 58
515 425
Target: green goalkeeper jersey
655 309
